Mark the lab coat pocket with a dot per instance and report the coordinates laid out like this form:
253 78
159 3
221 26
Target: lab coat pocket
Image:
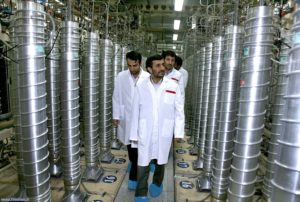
169 98
168 128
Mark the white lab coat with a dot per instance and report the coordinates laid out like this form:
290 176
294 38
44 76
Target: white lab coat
176 76
122 102
185 76
157 114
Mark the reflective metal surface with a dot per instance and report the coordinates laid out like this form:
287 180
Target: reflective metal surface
255 78
69 45
90 97
197 99
204 107
213 108
277 115
286 186
117 66
105 101
28 27
53 104
192 67
124 61
15 103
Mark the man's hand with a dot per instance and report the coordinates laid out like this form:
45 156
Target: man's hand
116 122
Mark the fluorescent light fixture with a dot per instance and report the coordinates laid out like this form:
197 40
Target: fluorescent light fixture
176 24
175 37
61 3
86 18
178 5
174 47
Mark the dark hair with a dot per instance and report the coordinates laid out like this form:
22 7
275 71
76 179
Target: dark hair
151 59
133 55
178 60
168 53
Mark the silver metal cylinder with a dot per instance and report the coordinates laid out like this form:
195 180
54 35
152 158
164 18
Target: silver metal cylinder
124 61
29 35
204 180
117 67
105 102
286 186
90 97
70 145
15 103
192 68
277 115
223 145
53 103
204 106
255 79
197 98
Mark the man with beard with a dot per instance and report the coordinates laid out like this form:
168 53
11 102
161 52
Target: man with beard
171 72
125 84
157 114
178 67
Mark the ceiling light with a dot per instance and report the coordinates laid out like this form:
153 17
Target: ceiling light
178 5
175 37
87 18
174 47
176 24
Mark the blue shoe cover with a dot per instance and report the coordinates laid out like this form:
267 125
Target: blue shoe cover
152 167
132 184
141 199
129 167
155 190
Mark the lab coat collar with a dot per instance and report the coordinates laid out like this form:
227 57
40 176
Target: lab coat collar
160 89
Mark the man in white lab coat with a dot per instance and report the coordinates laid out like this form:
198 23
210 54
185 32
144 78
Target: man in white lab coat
157 114
171 72
125 84
178 67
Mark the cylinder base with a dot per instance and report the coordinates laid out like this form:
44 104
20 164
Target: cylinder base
74 196
204 182
107 157
92 173
116 144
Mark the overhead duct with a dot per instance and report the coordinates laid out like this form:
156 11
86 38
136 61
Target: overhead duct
117 66
70 145
204 181
90 94
223 142
277 115
254 84
105 104
53 104
287 166
197 164
29 34
197 102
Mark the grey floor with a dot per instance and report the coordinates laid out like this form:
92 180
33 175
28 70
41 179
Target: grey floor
125 195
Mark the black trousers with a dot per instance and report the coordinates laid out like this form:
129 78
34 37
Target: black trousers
143 175
133 157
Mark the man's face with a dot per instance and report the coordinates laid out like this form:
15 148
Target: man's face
158 69
176 66
169 62
133 66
